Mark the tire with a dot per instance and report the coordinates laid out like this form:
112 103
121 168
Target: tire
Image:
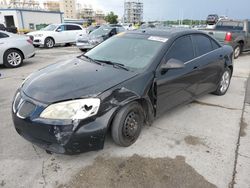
224 82
49 42
84 50
67 44
13 58
127 124
237 51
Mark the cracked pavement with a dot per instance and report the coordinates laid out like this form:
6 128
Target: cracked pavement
206 133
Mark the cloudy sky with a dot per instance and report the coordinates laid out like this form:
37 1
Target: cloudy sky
173 9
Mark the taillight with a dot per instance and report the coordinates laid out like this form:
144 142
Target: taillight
228 37
30 41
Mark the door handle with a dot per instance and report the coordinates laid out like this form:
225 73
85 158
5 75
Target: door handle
221 57
195 67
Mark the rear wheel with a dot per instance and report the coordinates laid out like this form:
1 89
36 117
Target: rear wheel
237 51
49 43
127 124
13 58
224 82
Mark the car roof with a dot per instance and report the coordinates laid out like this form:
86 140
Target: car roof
168 33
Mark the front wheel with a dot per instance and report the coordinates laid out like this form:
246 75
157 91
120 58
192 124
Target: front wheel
237 51
12 58
49 43
127 124
224 82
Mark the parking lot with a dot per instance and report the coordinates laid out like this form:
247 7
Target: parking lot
202 144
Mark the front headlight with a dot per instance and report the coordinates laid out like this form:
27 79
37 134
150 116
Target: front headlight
72 110
38 35
96 40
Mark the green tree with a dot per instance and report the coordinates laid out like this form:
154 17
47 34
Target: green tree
111 18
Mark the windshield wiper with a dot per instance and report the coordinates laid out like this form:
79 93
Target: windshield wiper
117 65
89 58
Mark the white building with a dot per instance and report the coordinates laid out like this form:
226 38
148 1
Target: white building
27 19
133 11
69 8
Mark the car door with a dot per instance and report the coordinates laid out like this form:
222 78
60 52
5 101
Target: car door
210 61
3 39
176 86
72 32
60 34
248 35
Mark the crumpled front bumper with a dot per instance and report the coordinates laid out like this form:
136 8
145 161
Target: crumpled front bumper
59 136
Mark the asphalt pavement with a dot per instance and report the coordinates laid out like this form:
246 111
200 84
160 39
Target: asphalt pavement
202 144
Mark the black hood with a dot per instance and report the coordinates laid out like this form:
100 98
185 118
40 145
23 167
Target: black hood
73 79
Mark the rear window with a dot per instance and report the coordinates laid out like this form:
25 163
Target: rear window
72 27
230 25
3 35
203 44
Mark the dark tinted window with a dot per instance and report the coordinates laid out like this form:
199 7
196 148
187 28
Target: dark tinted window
182 49
72 27
203 44
214 44
249 27
3 35
229 25
61 27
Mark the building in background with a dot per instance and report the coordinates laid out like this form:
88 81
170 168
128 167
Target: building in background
99 17
25 4
68 7
51 5
133 11
3 4
87 13
28 19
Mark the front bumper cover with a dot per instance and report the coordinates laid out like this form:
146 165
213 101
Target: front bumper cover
58 136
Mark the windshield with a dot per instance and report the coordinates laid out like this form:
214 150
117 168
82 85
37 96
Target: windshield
230 25
50 28
134 53
101 31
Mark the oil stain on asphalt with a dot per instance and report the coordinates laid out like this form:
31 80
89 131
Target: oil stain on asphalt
192 140
138 172
243 126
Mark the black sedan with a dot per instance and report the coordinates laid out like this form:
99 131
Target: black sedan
120 85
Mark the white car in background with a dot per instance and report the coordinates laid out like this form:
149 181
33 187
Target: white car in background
56 34
14 49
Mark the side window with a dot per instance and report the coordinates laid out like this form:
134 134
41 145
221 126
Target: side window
3 35
61 28
214 45
72 27
203 44
182 49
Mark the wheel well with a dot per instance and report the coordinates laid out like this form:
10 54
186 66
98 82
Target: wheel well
241 42
231 68
51 38
16 50
142 102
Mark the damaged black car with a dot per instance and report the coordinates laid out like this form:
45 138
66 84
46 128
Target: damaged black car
120 85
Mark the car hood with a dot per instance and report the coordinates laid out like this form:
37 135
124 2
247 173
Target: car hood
73 79
38 32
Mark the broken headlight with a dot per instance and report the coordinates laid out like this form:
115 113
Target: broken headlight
72 110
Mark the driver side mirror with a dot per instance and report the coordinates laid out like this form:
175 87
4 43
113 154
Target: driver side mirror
59 30
172 64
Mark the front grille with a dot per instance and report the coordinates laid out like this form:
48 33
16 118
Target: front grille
26 109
